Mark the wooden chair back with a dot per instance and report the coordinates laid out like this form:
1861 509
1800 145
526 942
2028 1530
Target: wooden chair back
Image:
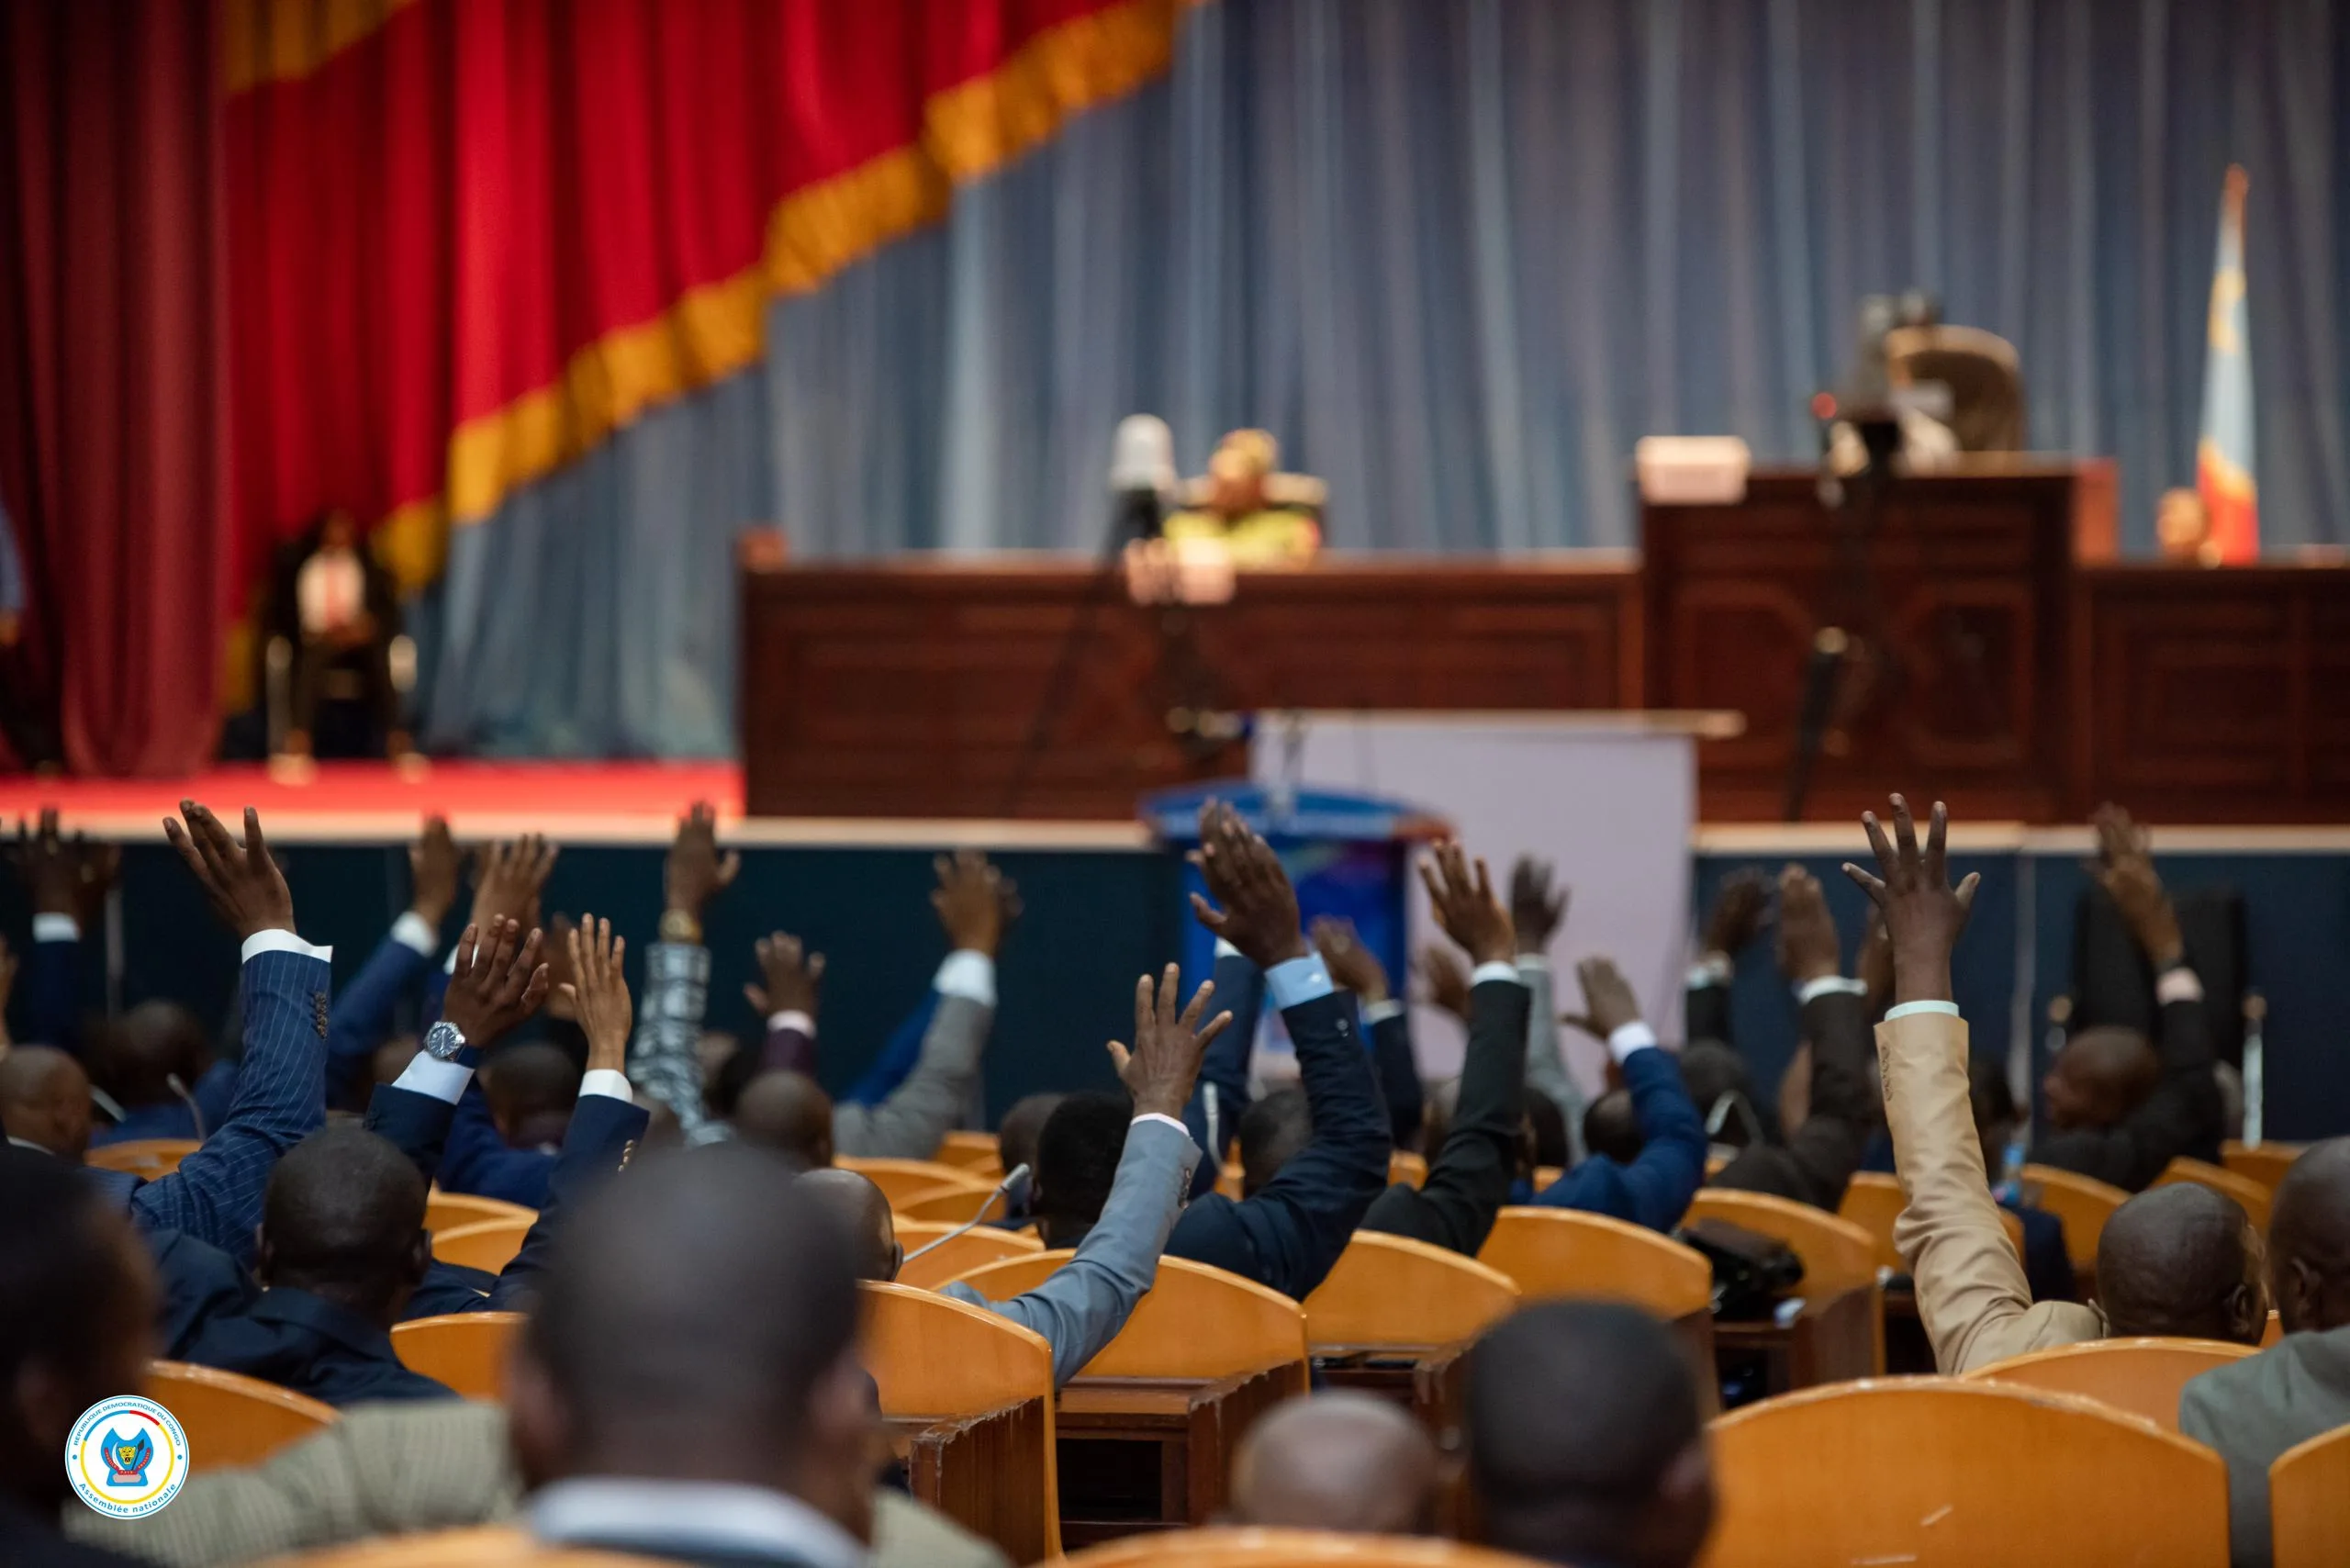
1194 1322
2274 1332
2082 1203
935 1359
977 1154
2265 1163
1228 1548
902 1179
1388 1291
1873 1200
949 1203
143 1157
2256 1199
487 1244
2308 1502
481 1546
447 1210
1410 1169
1563 1252
467 1350
232 1419
966 1253
2141 1376
1940 1472
1228 1180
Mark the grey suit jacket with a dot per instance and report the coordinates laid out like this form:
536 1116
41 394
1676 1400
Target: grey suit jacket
397 1469
2253 1410
920 1111
1088 1299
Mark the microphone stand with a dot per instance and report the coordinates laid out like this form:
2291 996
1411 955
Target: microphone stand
1018 1174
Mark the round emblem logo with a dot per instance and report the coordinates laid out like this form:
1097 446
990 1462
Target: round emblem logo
127 1457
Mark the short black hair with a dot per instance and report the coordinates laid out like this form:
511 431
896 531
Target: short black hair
1078 1154
1611 1129
530 1077
1016 1134
344 1209
61 1266
1272 1130
1550 1125
1712 1072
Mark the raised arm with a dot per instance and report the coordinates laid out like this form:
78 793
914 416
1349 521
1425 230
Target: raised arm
1354 967
664 1062
1737 916
66 881
216 1193
976 905
363 1013
787 995
1537 912
1655 1188
1084 1303
498 982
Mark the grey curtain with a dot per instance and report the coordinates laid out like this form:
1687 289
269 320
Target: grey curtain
1458 255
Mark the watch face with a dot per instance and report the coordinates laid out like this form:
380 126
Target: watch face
443 1041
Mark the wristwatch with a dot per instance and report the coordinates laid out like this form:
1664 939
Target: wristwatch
445 1042
680 927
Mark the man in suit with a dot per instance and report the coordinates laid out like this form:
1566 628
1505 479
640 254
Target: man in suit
1469 1178
1339 1460
77 1308
2180 1259
1086 1300
1586 1443
2253 1410
1654 1185
362 1017
688 1386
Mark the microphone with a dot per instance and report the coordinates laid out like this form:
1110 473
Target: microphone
1142 475
179 1087
1016 1179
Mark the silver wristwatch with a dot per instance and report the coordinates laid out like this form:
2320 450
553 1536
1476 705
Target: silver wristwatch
443 1041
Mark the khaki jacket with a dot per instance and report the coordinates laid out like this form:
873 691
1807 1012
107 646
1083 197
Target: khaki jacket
1971 1292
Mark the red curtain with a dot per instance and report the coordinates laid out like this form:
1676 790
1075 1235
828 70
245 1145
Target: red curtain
111 393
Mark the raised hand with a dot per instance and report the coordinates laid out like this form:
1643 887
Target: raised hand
2124 868
1352 966
1608 1002
1924 914
246 888
63 876
1464 905
1534 909
1244 875
1874 966
1809 947
696 872
507 879
1446 979
976 902
1160 1068
794 980
434 869
499 981
1738 908
599 992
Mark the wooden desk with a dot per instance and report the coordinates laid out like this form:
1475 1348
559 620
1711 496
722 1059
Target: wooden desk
1429 1380
1146 1454
982 1472
1832 1339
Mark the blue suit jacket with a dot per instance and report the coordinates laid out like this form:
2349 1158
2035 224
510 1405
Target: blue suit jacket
1289 1233
1654 1190
475 1158
312 1346
216 1194
363 1013
1223 1071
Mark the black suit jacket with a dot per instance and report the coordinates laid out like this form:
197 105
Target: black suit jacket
1469 1180
312 1346
1816 1164
29 1542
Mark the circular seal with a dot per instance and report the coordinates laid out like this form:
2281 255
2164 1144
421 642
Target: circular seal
127 1457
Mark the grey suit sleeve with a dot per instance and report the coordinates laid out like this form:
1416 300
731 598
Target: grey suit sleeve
1088 1299
1546 1065
918 1114
2203 1415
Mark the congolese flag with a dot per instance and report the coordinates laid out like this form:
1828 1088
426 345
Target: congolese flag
2223 451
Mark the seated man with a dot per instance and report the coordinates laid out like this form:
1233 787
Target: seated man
1654 1186
2122 1109
2254 1410
2179 1260
1088 1299
1586 1443
1015 1144
1262 517
1340 1461
1292 1221
153 1060
532 1086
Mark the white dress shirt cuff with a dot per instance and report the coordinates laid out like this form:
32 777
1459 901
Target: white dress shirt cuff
791 1018
55 927
430 1075
451 967
1713 968
262 942
411 931
1499 969
1225 949
608 1081
1830 985
1534 963
968 974
1380 1011
1948 1009
2178 983
1635 1035
1299 980
1159 1116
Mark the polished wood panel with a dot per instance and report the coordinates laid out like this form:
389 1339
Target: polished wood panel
2142 1376
1156 1453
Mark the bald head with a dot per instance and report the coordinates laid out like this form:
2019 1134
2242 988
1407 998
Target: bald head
45 1100
862 1211
2309 1239
2182 1261
1611 1129
150 1046
1336 1461
789 1113
2099 1077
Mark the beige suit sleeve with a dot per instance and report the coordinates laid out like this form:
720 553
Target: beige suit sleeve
1972 1296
